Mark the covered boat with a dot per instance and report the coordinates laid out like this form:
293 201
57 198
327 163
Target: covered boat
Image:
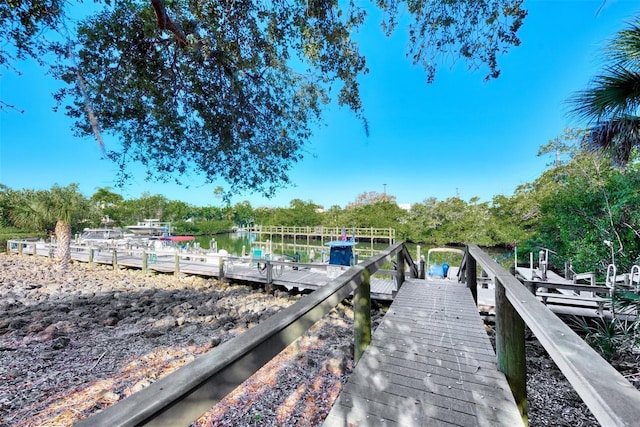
443 269
341 252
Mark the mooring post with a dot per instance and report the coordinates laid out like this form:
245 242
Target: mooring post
91 255
510 348
269 272
472 276
362 316
145 262
20 246
114 259
220 268
177 267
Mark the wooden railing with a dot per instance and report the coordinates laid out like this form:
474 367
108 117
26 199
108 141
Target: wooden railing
308 238
607 394
322 231
184 395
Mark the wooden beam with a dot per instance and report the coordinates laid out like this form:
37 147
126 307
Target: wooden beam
471 275
362 316
510 348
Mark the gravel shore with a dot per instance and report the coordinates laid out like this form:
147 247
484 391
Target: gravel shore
72 344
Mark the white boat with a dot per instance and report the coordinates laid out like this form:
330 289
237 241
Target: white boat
99 236
150 227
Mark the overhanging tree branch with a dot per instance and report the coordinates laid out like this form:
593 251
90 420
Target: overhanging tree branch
166 23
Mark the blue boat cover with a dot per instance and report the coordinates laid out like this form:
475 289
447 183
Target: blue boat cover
341 252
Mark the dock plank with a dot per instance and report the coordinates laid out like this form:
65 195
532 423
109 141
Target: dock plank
430 363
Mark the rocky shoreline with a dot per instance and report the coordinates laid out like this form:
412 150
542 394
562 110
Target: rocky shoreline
72 344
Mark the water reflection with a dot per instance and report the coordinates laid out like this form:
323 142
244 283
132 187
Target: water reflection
235 243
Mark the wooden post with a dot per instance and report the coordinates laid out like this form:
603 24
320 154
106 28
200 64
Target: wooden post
269 273
114 259
8 247
510 348
145 262
362 317
472 276
422 272
400 270
177 267
35 249
20 247
220 268
91 255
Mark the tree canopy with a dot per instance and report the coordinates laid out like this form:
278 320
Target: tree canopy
232 89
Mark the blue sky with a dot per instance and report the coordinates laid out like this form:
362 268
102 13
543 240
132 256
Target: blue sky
458 136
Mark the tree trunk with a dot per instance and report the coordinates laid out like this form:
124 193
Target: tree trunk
63 250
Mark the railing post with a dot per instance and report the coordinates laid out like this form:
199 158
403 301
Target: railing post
422 271
400 270
362 316
510 348
472 276
145 262
114 259
177 267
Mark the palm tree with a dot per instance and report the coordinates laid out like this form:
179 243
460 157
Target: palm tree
55 209
610 105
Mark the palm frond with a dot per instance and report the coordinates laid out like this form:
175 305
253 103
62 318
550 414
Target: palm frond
617 137
625 47
612 94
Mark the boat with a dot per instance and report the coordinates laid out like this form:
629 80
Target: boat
150 227
102 235
105 233
341 252
341 256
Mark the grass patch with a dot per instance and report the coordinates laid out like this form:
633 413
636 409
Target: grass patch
10 233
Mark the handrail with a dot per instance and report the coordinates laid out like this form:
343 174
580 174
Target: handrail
184 395
607 394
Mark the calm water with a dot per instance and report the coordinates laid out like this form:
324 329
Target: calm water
235 242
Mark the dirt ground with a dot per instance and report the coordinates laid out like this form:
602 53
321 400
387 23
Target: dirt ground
72 344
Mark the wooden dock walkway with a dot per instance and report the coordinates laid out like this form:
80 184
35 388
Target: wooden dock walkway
430 363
